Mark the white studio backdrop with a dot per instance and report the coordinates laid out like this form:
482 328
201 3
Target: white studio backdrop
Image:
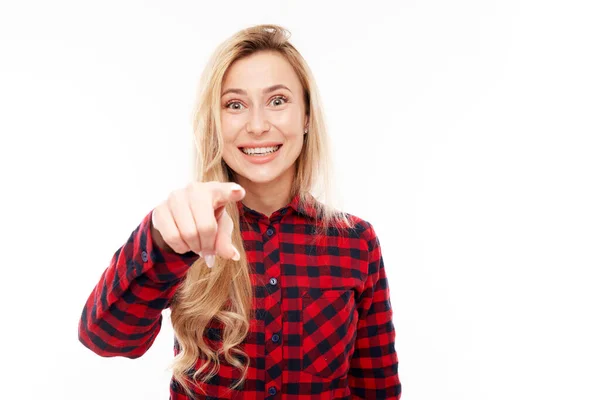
467 132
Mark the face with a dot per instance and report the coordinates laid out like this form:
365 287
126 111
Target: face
262 106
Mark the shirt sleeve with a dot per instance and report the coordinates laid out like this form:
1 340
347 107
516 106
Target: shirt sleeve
374 365
122 316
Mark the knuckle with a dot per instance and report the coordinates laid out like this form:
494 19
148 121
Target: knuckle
181 249
207 228
177 245
172 240
189 236
155 217
192 187
198 190
181 245
173 198
195 195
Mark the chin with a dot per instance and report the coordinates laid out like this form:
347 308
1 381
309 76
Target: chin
262 173
261 178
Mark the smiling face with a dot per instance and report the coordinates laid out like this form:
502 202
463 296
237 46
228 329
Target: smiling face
262 105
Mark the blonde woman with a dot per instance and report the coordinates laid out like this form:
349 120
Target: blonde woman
273 293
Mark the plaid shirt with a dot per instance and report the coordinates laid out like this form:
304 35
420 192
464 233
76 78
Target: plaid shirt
323 326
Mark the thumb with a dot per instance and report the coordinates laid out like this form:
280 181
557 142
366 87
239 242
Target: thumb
237 192
235 254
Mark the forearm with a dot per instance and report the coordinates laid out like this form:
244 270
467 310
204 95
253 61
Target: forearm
123 314
374 365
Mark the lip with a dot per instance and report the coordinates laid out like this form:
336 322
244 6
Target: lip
265 144
261 159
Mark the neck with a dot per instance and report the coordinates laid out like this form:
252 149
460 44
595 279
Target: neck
267 197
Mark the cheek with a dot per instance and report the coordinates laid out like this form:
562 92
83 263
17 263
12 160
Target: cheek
290 119
231 123
230 151
229 148
229 128
230 156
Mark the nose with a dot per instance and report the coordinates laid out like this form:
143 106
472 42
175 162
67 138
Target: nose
257 123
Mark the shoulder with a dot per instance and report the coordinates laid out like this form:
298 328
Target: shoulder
367 241
362 229
354 226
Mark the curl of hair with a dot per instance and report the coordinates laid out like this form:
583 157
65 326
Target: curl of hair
223 294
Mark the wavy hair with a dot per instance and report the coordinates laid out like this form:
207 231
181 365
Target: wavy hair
223 294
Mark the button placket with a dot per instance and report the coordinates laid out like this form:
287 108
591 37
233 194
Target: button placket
273 319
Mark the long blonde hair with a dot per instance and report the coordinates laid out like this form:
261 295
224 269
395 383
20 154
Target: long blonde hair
224 293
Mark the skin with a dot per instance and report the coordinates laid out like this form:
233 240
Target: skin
257 117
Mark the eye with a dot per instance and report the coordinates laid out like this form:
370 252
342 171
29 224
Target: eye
233 102
279 98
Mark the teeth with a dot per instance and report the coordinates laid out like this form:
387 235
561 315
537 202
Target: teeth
260 150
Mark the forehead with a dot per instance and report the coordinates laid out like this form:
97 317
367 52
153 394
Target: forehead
260 70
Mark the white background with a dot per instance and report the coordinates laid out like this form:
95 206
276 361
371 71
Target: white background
467 132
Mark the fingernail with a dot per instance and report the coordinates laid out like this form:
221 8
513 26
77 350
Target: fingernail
236 187
210 260
236 257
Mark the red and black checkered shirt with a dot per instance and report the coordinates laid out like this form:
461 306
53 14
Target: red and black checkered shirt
323 318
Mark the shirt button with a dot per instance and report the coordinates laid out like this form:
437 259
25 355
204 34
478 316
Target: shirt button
270 232
144 256
273 281
272 390
275 338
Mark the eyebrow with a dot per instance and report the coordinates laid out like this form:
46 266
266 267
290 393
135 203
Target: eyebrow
267 90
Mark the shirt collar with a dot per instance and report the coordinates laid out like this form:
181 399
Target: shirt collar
308 208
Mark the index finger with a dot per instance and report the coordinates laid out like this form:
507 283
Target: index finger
224 192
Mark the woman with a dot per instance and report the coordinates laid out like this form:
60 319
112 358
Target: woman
273 294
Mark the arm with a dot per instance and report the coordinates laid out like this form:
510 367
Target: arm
374 364
122 316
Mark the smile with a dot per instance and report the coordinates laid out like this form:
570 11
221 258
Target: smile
259 151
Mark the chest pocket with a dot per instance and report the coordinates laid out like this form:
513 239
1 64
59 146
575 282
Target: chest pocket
329 320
